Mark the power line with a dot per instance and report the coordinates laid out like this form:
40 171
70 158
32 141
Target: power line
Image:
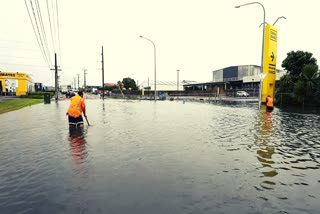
35 31
54 23
4 63
58 32
43 30
25 49
18 57
53 44
15 41
39 33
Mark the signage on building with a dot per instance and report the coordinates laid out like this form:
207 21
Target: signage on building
5 74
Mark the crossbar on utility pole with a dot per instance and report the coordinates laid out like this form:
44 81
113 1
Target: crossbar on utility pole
56 85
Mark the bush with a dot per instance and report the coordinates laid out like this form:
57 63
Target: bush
39 95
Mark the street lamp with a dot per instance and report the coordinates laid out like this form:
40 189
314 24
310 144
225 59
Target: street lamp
281 17
177 83
155 68
262 52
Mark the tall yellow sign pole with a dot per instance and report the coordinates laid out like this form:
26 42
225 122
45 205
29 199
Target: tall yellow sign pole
270 62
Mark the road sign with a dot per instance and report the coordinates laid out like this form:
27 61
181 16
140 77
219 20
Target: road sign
262 76
269 61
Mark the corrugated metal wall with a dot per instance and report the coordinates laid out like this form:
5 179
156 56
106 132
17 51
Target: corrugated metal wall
217 75
230 73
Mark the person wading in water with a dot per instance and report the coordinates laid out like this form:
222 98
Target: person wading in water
269 103
75 110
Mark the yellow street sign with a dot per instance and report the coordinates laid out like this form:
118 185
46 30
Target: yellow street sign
269 62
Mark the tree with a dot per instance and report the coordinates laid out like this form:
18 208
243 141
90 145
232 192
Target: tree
310 78
129 83
299 91
286 84
295 61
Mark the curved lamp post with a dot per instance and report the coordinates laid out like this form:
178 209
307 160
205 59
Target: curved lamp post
155 67
262 54
281 17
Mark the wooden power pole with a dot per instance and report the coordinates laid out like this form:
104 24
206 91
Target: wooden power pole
84 79
102 74
56 85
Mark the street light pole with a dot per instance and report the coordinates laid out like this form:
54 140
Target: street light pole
155 67
177 83
281 17
262 54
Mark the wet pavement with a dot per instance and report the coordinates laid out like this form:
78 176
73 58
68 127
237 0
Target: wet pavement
159 157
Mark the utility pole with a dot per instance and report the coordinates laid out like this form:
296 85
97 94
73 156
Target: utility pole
84 76
56 85
78 82
74 83
102 74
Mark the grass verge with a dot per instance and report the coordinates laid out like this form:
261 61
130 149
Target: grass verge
12 105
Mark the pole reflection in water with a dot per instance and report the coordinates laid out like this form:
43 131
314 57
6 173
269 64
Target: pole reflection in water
266 148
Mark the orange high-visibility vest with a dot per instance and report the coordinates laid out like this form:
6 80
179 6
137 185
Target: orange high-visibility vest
269 102
76 107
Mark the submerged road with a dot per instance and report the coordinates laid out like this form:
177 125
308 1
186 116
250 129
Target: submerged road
159 157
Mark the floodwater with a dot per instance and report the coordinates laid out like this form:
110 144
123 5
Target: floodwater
159 157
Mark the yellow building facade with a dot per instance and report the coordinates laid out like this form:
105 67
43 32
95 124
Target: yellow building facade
15 84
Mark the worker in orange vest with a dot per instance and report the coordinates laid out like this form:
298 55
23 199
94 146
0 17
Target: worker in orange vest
75 110
269 103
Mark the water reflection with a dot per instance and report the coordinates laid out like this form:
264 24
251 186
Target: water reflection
266 148
187 158
77 143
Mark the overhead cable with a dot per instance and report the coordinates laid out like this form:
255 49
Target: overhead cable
40 38
35 32
43 31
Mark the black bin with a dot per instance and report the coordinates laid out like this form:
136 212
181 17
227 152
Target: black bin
47 98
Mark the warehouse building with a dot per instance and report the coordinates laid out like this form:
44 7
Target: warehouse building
243 77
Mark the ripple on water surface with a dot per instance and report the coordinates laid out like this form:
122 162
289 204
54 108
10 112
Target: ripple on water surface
159 157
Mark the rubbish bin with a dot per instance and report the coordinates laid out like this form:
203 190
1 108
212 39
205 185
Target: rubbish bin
47 98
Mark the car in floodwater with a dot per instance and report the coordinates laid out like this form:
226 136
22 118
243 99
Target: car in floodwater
242 94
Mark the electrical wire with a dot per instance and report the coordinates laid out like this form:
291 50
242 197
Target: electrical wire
5 63
34 30
53 44
58 33
54 23
39 33
43 31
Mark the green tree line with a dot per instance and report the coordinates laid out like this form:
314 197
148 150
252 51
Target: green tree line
301 84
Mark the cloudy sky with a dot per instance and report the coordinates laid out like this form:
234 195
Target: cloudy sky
193 36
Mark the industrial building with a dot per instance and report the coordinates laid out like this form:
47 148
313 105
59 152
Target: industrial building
15 84
232 78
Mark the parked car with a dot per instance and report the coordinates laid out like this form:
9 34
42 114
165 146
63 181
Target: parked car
242 94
